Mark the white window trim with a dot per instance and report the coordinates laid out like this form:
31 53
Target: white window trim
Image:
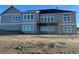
53 19
23 17
46 18
33 16
53 30
28 27
40 19
66 16
67 29
28 19
13 20
43 17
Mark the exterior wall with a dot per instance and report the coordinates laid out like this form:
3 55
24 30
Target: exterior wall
36 19
35 28
51 32
72 23
36 16
11 27
73 29
58 17
7 24
6 20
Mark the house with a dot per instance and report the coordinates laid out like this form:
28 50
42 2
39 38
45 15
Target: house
48 21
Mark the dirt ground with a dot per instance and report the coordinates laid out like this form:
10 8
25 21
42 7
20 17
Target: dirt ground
39 44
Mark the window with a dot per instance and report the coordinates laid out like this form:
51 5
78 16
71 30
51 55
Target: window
32 16
15 18
47 28
47 19
67 18
67 29
41 19
44 28
28 17
52 28
28 27
24 16
51 18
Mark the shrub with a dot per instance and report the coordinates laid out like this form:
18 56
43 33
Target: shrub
51 45
40 44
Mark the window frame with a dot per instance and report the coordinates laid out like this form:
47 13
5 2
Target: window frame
66 15
15 18
44 28
28 27
48 28
48 18
29 19
53 30
66 29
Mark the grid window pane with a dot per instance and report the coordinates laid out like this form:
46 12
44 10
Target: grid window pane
67 29
46 18
67 18
15 18
28 27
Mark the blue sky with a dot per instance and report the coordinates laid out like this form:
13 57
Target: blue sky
34 7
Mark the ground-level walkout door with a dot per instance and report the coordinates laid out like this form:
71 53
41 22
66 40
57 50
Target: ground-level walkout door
50 29
28 28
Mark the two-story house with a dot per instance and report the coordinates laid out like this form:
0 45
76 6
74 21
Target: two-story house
48 21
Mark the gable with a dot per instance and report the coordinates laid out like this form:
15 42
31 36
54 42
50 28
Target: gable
11 10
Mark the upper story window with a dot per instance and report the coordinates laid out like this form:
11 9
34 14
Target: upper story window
24 16
47 18
28 17
67 18
52 18
15 18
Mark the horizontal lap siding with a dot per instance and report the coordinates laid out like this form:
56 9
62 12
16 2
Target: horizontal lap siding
7 24
11 27
74 31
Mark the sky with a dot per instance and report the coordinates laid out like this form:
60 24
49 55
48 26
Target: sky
37 7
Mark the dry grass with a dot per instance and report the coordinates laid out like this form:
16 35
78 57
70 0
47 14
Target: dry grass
42 38
41 43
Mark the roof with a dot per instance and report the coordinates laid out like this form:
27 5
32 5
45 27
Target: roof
10 8
41 11
53 11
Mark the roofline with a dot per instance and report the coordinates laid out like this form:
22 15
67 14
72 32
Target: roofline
8 9
36 10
